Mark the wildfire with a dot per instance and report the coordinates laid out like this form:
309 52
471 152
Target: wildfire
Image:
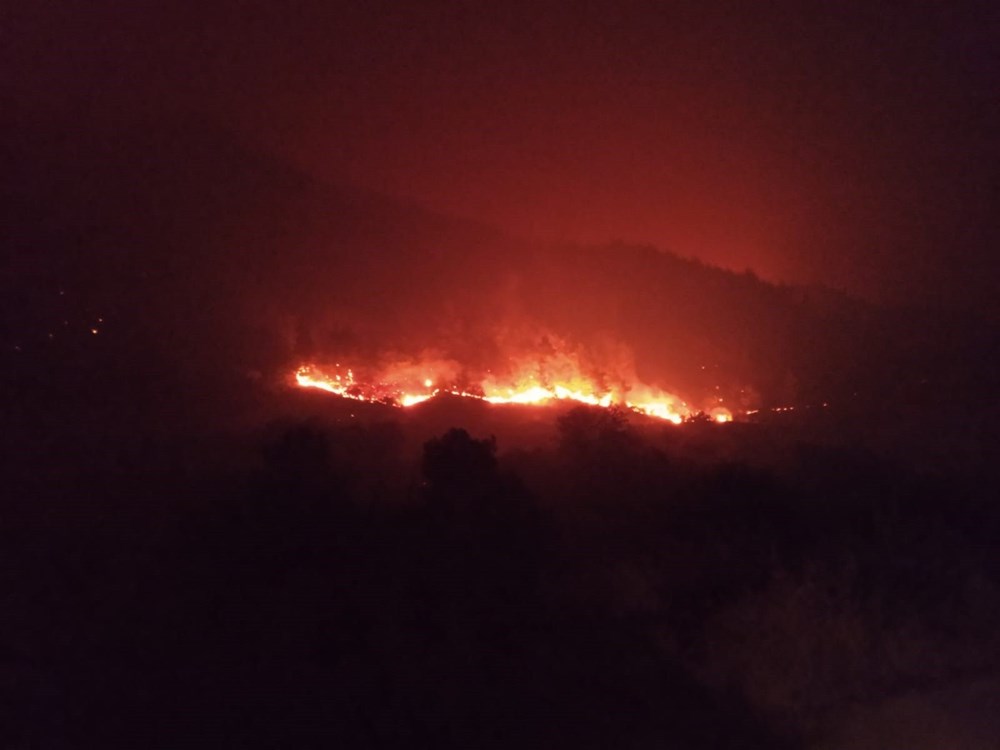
408 385
720 415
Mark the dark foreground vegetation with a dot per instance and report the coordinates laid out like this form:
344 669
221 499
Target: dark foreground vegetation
337 589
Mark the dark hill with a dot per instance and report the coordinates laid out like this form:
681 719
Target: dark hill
204 263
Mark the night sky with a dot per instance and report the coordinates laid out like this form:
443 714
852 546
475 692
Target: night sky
850 144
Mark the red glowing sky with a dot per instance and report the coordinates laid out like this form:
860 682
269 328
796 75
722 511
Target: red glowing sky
851 144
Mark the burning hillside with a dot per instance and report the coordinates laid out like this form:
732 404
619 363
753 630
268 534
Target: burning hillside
532 380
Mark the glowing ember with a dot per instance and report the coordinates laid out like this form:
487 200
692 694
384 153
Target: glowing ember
720 415
406 386
411 399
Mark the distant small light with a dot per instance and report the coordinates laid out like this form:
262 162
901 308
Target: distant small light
93 331
428 383
17 348
100 320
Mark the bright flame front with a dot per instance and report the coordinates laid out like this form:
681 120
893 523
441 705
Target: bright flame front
528 387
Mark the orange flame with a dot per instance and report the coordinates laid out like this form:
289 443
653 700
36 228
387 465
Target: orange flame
720 415
532 383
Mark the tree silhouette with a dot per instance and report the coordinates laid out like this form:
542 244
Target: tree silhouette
595 434
457 462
